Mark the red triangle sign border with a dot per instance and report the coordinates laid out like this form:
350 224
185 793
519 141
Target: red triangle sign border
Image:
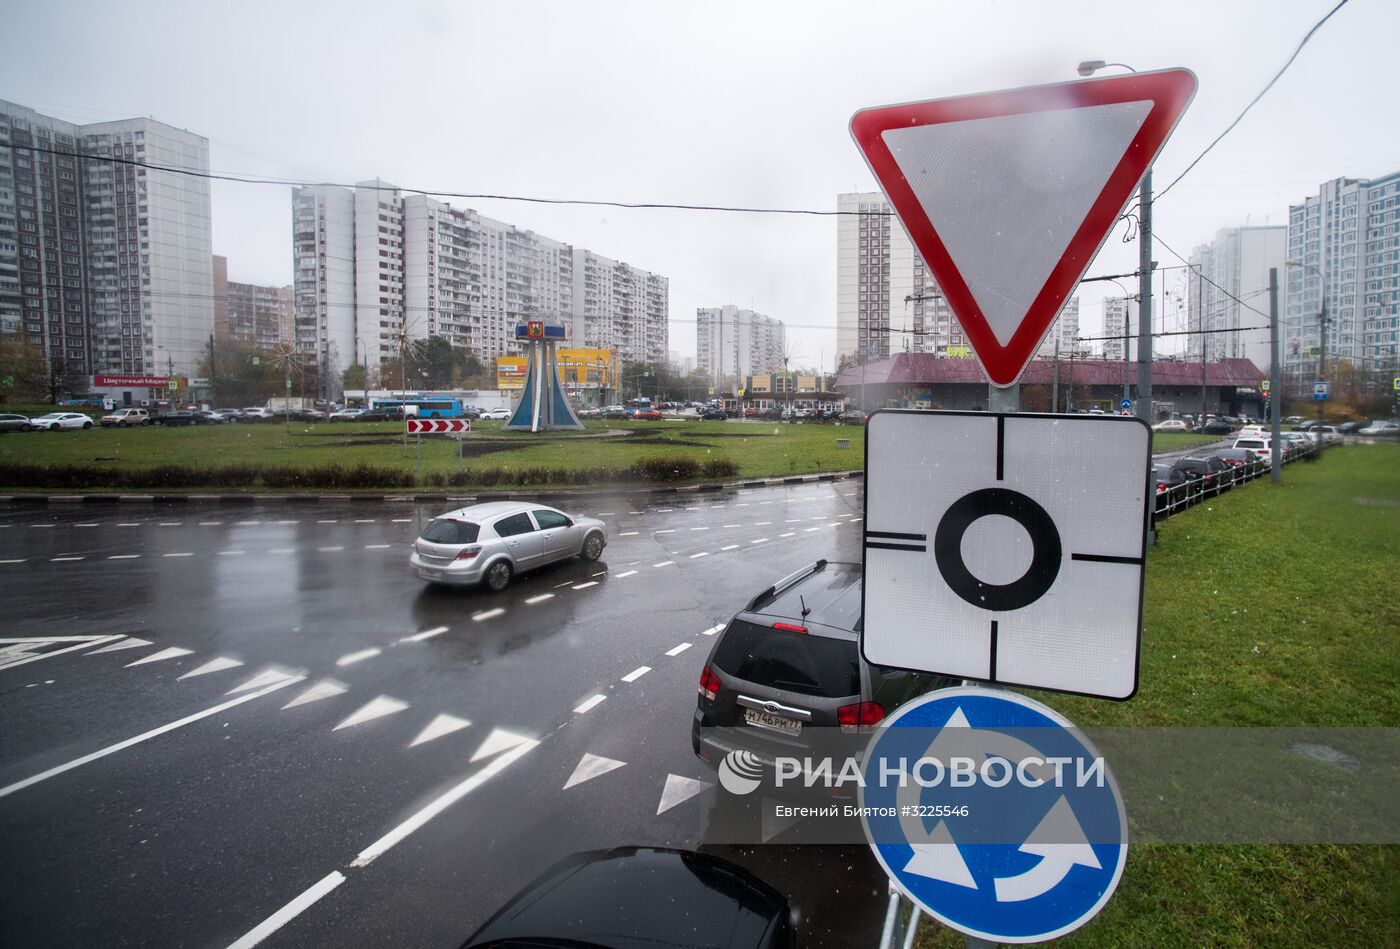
1169 91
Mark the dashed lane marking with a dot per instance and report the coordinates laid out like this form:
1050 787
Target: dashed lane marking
669 530
183 554
712 630
762 523
282 550
364 520
123 556
539 599
585 586
677 650
204 524
699 528
628 534
808 530
590 703
425 634
600 573
730 547
703 553
636 674
664 563
759 540
329 521
15 560
566 583
790 534
478 617
329 550
728 526
378 546
232 553
64 559
400 520
626 574
349 659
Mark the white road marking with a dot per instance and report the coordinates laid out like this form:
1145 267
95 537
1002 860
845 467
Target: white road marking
87 642
53 525
790 534
436 807
745 504
332 520
566 583
124 557
636 674
186 554
291 911
669 530
792 520
213 665
444 724
283 550
499 740
703 553
377 546
400 520
93 524
585 586
20 560
211 523
627 573
636 512
364 520
539 599
628 534
590 767
699 528
64 559
712 630
857 518
730 547
808 530
664 510
349 659
600 573
232 553
329 550
426 634
249 523
169 524
265 678
590 703
679 790
762 523
374 708
129 643
664 563
153 733
605 514
286 522
728 526
321 690
677 650
759 540
478 617
717 507
123 524
174 652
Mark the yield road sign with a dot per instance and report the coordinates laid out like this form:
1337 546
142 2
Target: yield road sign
1007 548
1009 195
439 426
993 814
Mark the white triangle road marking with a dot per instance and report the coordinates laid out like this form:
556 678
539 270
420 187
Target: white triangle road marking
172 653
679 790
499 740
131 642
444 724
374 708
213 665
321 690
260 680
592 766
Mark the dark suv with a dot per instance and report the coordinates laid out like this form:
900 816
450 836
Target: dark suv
790 662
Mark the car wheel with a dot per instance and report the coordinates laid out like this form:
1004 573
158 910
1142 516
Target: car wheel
121 425
498 576
87 425
593 546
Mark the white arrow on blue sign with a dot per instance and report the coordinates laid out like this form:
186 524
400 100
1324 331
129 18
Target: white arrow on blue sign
994 815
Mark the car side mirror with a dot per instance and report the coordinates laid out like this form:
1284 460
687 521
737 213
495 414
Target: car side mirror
568 522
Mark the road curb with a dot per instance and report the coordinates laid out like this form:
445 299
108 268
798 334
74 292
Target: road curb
418 497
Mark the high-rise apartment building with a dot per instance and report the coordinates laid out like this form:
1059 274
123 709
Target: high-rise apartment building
375 269
732 344
1065 331
1344 242
259 315
1120 324
886 299
105 263
1227 294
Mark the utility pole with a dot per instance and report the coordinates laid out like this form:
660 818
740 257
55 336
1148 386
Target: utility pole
1321 356
1055 379
1145 299
1275 393
1201 306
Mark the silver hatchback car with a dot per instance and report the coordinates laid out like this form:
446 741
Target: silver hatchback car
490 543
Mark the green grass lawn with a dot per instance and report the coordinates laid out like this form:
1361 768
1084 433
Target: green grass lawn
760 450
1271 605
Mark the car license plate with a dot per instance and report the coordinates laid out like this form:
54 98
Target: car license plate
776 722
429 574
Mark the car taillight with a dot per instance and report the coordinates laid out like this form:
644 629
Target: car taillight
709 683
468 553
852 718
790 627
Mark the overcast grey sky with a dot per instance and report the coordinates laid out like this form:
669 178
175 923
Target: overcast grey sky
715 103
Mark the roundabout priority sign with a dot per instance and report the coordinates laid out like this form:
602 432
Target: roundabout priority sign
1007 548
992 814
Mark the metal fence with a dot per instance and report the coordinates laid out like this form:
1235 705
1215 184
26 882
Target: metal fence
1179 497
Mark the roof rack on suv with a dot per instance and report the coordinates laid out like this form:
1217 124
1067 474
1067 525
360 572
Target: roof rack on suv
784 583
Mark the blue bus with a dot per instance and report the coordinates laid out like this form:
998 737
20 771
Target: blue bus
424 406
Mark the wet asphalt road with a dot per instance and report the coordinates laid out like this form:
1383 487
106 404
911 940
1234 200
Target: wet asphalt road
287 735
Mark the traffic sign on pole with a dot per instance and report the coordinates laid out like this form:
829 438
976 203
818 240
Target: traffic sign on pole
995 816
1320 390
438 426
1126 404
1009 195
1007 548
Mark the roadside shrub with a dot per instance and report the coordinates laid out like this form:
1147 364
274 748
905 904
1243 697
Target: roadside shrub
667 469
719 468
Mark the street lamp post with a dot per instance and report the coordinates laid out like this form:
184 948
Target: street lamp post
1322 337
1088 68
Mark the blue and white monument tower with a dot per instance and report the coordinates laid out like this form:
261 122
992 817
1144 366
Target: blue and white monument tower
543 405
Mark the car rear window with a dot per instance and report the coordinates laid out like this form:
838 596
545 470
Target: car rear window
795 662
447 531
